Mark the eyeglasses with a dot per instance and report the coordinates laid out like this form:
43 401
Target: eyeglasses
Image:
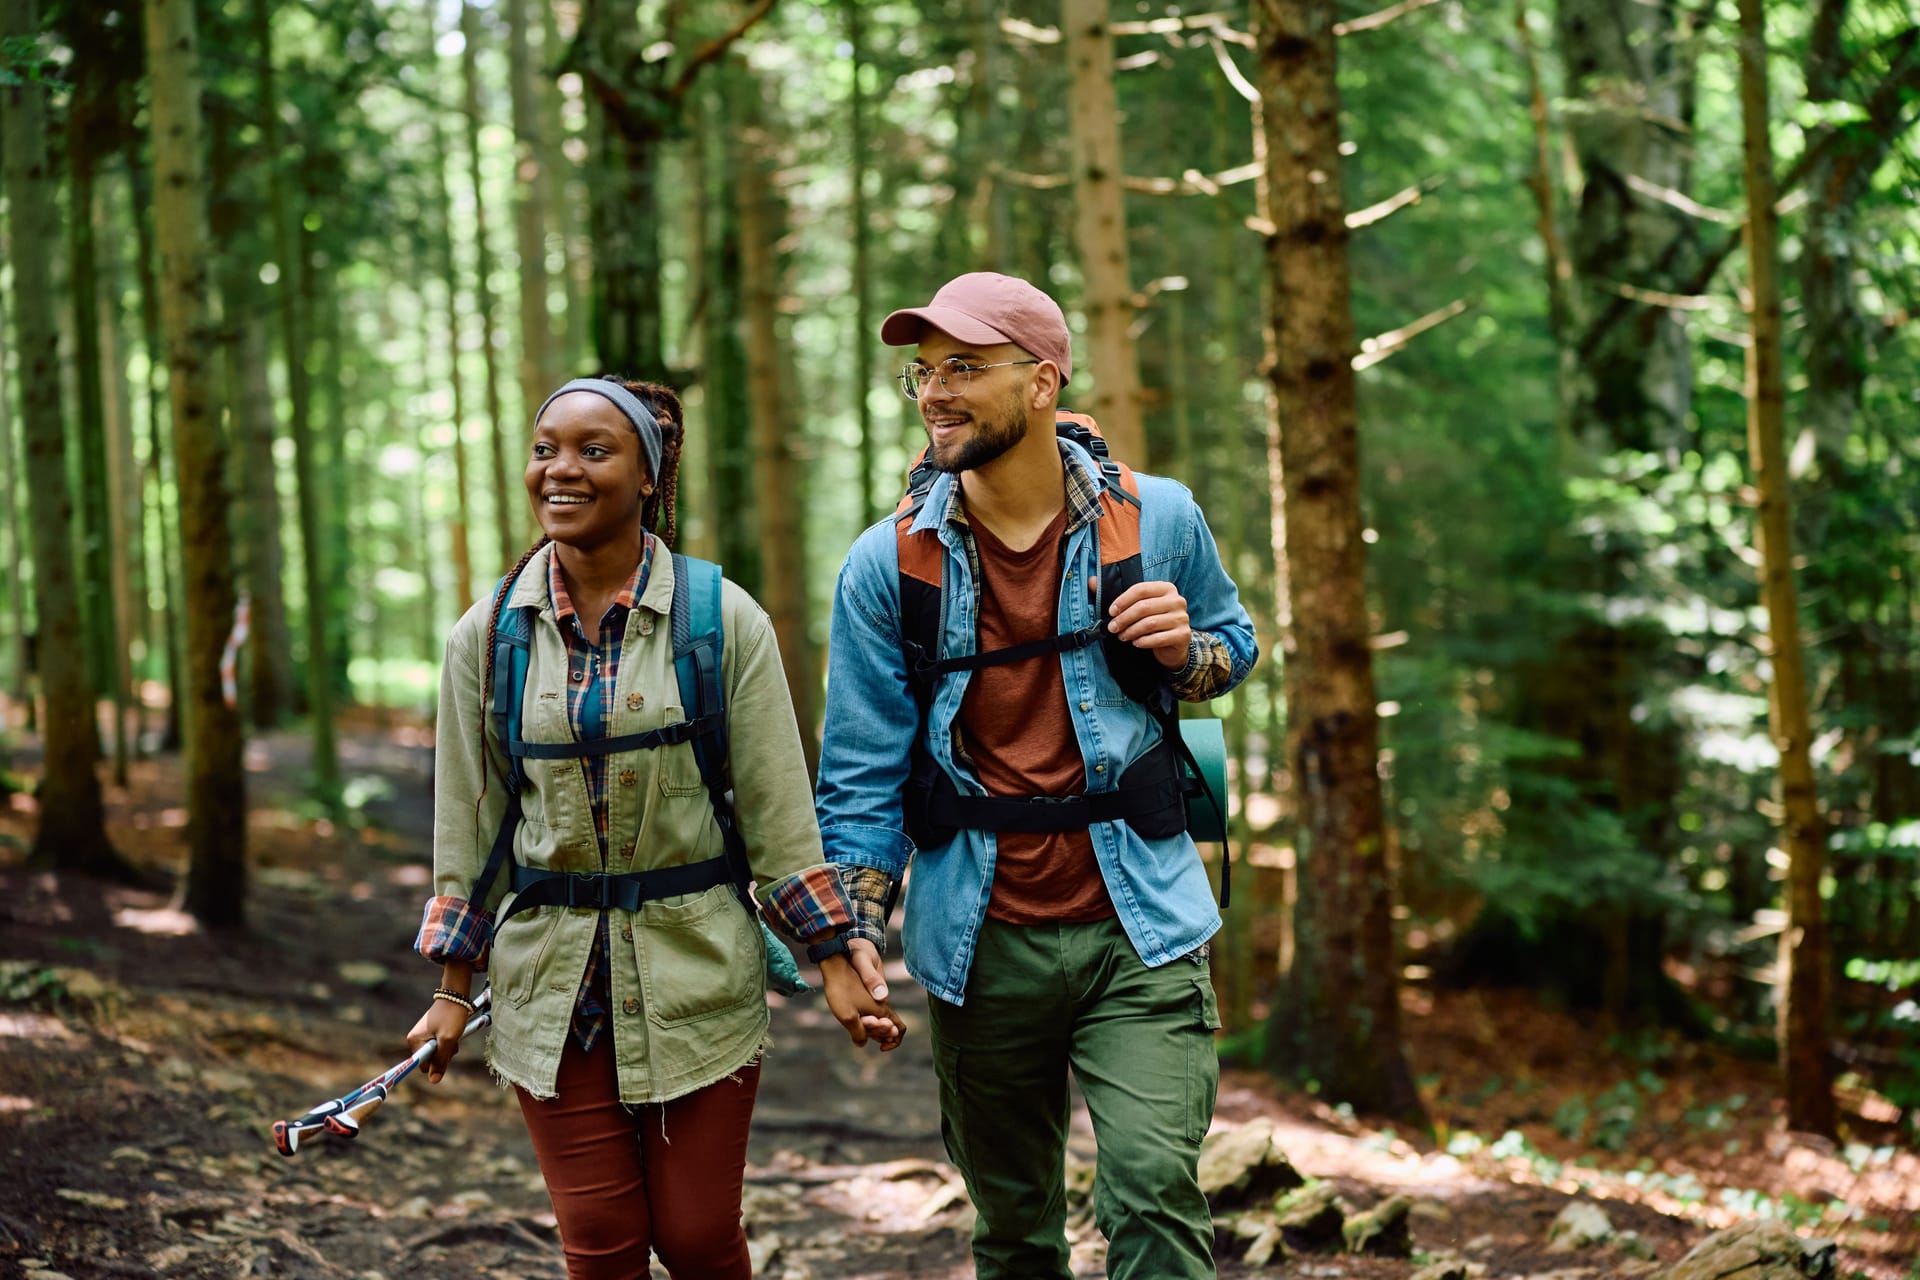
953 373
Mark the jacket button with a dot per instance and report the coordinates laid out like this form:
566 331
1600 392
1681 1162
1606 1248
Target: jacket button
1099 768
626 932
631 1006
646 626
1086 706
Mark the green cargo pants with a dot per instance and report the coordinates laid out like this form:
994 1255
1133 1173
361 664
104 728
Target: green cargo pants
1046 999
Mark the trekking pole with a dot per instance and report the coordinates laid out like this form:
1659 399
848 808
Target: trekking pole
341 1116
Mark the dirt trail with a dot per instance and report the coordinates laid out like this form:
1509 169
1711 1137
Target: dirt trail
141 1063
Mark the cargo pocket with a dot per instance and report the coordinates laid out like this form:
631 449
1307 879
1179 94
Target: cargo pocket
519 947
698 959
678 771
1203 1057
953 1108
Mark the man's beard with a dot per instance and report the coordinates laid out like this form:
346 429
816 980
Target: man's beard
991 436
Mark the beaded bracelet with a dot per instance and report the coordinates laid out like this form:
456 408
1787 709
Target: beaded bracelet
453 997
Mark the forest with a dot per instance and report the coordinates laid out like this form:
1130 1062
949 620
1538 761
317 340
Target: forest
1546 369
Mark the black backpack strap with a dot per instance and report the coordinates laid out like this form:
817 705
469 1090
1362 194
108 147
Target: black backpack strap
537 887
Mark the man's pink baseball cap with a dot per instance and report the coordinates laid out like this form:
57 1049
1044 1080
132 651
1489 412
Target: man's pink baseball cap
986 307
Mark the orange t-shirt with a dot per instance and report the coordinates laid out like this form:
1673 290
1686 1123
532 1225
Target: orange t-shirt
1019 736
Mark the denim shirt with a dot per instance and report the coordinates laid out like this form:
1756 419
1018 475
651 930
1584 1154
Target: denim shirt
1159 888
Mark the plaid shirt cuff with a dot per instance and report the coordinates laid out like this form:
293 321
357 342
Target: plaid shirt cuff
809 906
454 929
872 891
1209 667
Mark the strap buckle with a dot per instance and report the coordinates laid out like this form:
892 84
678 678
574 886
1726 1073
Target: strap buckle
587 890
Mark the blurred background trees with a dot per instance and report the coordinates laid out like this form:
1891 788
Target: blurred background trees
418 219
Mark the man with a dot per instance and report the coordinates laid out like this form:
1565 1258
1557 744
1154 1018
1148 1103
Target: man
1044 950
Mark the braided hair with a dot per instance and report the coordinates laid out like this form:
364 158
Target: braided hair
658 513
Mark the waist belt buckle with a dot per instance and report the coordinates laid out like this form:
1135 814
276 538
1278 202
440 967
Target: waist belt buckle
586 890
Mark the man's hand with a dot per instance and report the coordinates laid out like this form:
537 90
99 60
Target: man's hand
857 994
1153 616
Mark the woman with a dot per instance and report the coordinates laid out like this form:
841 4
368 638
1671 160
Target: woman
632 1035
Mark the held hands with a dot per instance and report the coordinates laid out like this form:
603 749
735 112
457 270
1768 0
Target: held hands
443 1021
1153 616
857 994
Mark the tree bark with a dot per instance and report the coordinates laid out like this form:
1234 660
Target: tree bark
729 481
291 252
778 476
216 784
245 321
507 514
88 119
19 683
1100 229
1804 961
562 217
637 104
531 156
450 268
72 835
1631 116
855 24
164 560
123 511
1341 1024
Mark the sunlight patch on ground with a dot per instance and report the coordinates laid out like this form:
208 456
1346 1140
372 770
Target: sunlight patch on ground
14 1102
411 877
168 921
37 1027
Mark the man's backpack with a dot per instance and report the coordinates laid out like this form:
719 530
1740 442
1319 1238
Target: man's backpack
699 640
1179 784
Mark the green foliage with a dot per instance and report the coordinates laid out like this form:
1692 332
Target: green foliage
25 983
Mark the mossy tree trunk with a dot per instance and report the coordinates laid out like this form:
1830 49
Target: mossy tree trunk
1339 1022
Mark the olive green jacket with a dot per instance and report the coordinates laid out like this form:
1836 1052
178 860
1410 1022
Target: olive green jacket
687 976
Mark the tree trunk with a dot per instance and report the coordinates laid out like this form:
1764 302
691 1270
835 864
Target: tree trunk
123 498
269 642
1100 229
86 123
1804 959
507 514
450 267
862 232
1560 294
72 835
1630 90
728 411
290 251
531 156
562 219
164 560
19 684
628 123
216 784
245 320
1341 1022
778 476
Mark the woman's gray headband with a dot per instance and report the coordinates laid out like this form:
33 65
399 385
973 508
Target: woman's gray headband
626 402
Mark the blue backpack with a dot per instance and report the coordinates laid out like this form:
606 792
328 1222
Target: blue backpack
699 639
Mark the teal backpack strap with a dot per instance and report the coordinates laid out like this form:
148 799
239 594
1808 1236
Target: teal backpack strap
512 637
699 640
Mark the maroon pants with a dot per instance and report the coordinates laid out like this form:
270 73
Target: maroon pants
663 1177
